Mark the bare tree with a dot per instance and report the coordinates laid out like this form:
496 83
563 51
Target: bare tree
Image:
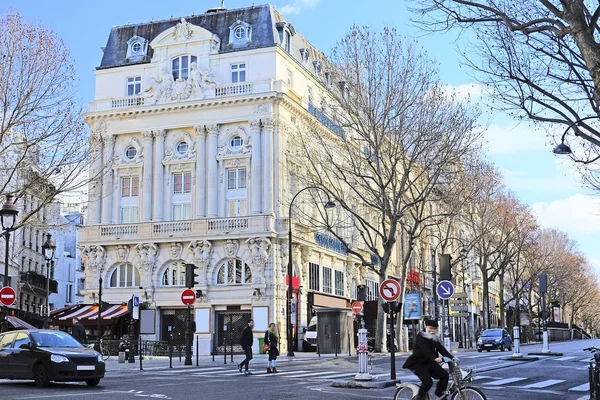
540 58
43 140
395 136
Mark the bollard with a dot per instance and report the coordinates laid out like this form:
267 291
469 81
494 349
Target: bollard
517 344
225 350
336 344
349 351
140 354
197 352
171 356
363 372
318 349
213 347
179 348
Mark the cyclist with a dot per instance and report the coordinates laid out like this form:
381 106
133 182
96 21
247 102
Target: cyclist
425 359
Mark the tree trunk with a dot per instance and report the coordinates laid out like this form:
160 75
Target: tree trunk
486 302
502 311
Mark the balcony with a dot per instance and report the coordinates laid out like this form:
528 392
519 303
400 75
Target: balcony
190 229
38 282
218 92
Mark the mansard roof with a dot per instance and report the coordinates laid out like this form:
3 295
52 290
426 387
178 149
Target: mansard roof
262 18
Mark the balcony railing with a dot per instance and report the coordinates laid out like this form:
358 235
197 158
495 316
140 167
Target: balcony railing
38 281
180 229
233 90
128 102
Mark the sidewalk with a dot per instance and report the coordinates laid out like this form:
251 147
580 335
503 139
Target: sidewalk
162 363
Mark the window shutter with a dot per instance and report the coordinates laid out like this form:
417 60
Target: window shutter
243 208
231 208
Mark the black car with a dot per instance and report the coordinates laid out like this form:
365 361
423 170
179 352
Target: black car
48 355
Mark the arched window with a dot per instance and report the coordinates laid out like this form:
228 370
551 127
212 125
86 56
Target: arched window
125 275
173 275
234 272
180 66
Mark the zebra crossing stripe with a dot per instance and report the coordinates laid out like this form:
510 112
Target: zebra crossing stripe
581 388
504 381
544 384
477 377
222 371
338 376
564 358
586 360
477 356
316 374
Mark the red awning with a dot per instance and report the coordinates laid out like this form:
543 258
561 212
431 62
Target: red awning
122 310
77 313
105 313
63 309
19 323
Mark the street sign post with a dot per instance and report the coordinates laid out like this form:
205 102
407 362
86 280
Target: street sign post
188 296
390 290
357 307
460 314
136 307
445 290
7 296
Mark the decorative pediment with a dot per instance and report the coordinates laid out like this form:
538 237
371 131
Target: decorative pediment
235 142
180 147
186 32
129 152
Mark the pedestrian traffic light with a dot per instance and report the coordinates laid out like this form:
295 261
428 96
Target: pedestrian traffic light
361 293
190 275
445 267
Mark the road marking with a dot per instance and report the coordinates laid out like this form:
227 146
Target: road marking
581 388
319 373
544 384
477 377
477 356
587 360
504 381
564 358
178 371
281 373
338 376
223 371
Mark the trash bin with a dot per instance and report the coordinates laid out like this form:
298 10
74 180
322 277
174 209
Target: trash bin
121 357
261 342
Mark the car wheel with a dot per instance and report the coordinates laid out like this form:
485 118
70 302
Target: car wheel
40 376
93 382
479 350
488 350
502 347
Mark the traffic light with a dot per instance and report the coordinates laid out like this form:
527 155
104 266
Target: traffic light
445 267
130 306
190 275
361 293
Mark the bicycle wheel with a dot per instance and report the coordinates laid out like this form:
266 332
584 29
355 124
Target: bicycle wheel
469 393
105 353
406 392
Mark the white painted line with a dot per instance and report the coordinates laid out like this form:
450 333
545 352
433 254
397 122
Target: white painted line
587 360
564 358
216 372
338 376
477 356
544 384
316 374
581 388
178 371
504 381
477 377
282 373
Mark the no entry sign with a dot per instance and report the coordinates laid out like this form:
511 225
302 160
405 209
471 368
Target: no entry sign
357 307
7 296
188 297
389 290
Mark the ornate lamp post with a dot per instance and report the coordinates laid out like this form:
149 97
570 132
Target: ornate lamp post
8 217
48 248
329 204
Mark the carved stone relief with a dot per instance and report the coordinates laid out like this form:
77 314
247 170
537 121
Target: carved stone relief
148 254
231 248
175 250
122 252
183 30
94 257
260 248
202 250
225 148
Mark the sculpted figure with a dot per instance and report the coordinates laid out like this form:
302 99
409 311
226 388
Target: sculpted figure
260 248
202 250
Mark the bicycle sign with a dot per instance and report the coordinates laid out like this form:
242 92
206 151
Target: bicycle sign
389 290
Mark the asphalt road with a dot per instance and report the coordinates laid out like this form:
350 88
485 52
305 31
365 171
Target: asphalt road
550 378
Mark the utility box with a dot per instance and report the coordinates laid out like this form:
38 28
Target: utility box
335 330
121 357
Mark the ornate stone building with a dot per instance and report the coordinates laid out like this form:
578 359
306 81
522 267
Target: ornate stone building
189 141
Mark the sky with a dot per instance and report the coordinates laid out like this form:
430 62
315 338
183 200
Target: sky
540 179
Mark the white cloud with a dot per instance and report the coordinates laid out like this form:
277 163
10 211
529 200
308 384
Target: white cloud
507 139
296 6
576 214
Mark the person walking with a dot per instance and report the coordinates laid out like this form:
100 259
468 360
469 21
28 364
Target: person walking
425 361
78 331
246 340
272 340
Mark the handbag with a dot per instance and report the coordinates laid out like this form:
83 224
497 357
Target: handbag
266 348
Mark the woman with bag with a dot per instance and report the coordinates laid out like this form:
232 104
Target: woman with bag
270 346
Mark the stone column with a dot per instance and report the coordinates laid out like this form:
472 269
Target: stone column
256 170
116 208
96 184
200 171
222 185
107 180
158 190
213 173
267 155
147 178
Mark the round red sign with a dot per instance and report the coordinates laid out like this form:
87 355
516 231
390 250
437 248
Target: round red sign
389 290
357 307
7 296
188 297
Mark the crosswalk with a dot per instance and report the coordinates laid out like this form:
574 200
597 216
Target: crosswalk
217 372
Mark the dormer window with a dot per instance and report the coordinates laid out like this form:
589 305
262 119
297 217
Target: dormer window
305 55
240 34
328 79
180 66
136 49
317 66
286 31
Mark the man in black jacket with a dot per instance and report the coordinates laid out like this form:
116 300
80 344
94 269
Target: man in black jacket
246 341
78 332
425 359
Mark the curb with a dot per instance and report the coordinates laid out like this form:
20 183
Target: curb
374 384
521 358
546 354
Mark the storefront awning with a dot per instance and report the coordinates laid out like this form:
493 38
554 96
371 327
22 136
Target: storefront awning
19 323
88 312
78 313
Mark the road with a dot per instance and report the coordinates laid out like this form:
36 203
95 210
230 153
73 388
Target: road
550 378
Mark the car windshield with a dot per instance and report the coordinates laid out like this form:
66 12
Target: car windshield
312 328
54 339
492 333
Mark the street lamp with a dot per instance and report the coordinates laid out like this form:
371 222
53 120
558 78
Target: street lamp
8 217
48 248
329 204
565 149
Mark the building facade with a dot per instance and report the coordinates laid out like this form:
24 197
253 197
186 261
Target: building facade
190 128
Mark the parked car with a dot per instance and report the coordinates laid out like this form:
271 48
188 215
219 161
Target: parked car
309 343
492 339
48 355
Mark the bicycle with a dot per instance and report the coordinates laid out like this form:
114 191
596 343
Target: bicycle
458 389
102 350
594 373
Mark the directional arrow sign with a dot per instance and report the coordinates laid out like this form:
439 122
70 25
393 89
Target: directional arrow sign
459 308
453 301
445 290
